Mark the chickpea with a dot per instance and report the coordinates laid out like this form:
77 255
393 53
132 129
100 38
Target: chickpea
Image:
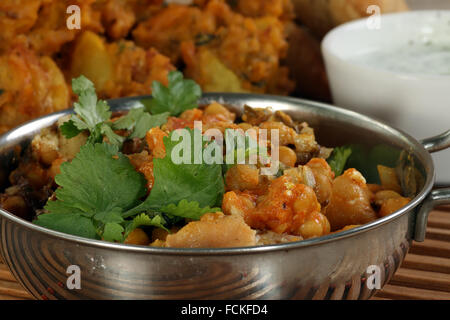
138 237
219 112
391 205
287 156
306 202
350 201
315 226
286 134
242 177
323 176
382 196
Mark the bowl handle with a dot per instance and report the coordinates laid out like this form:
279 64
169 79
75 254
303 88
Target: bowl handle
436 197
437 143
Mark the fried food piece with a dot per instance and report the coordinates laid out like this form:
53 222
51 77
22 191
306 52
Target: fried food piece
258 8
119 16
350 201
320 16
208 71
221 49
214 230
16 17
31 86
50 31
287 208
171 26
119 68
305 63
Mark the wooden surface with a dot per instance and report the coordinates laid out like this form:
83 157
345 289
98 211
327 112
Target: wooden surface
425 273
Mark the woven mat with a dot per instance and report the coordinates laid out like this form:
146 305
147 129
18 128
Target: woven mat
425 273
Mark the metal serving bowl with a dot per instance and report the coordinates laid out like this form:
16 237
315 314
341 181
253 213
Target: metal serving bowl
330 267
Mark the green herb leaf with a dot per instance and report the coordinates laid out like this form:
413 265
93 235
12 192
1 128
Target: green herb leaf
338 159
71 223
145 220
139 122
113 232
99 184
186 209
113 137
69 129
179 96
90 110
147 122
90 114
202 183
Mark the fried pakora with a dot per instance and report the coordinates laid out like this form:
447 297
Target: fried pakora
31 86
221 49
118 68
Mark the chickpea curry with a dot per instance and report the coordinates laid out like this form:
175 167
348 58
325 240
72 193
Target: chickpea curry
111 176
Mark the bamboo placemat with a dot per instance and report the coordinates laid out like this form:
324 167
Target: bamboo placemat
425 273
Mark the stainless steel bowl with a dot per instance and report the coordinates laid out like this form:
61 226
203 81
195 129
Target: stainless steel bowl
331 267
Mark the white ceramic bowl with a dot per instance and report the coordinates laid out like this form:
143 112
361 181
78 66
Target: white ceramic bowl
418 103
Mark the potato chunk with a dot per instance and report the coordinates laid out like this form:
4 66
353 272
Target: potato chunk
214 230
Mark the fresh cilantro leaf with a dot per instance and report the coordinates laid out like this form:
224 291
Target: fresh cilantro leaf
186 209
113 232
202 183
128 121
90 110
69 129
71 223
112 216
139 122
108 132
99 184
90 114
144 220
180 95
338 159
146 122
